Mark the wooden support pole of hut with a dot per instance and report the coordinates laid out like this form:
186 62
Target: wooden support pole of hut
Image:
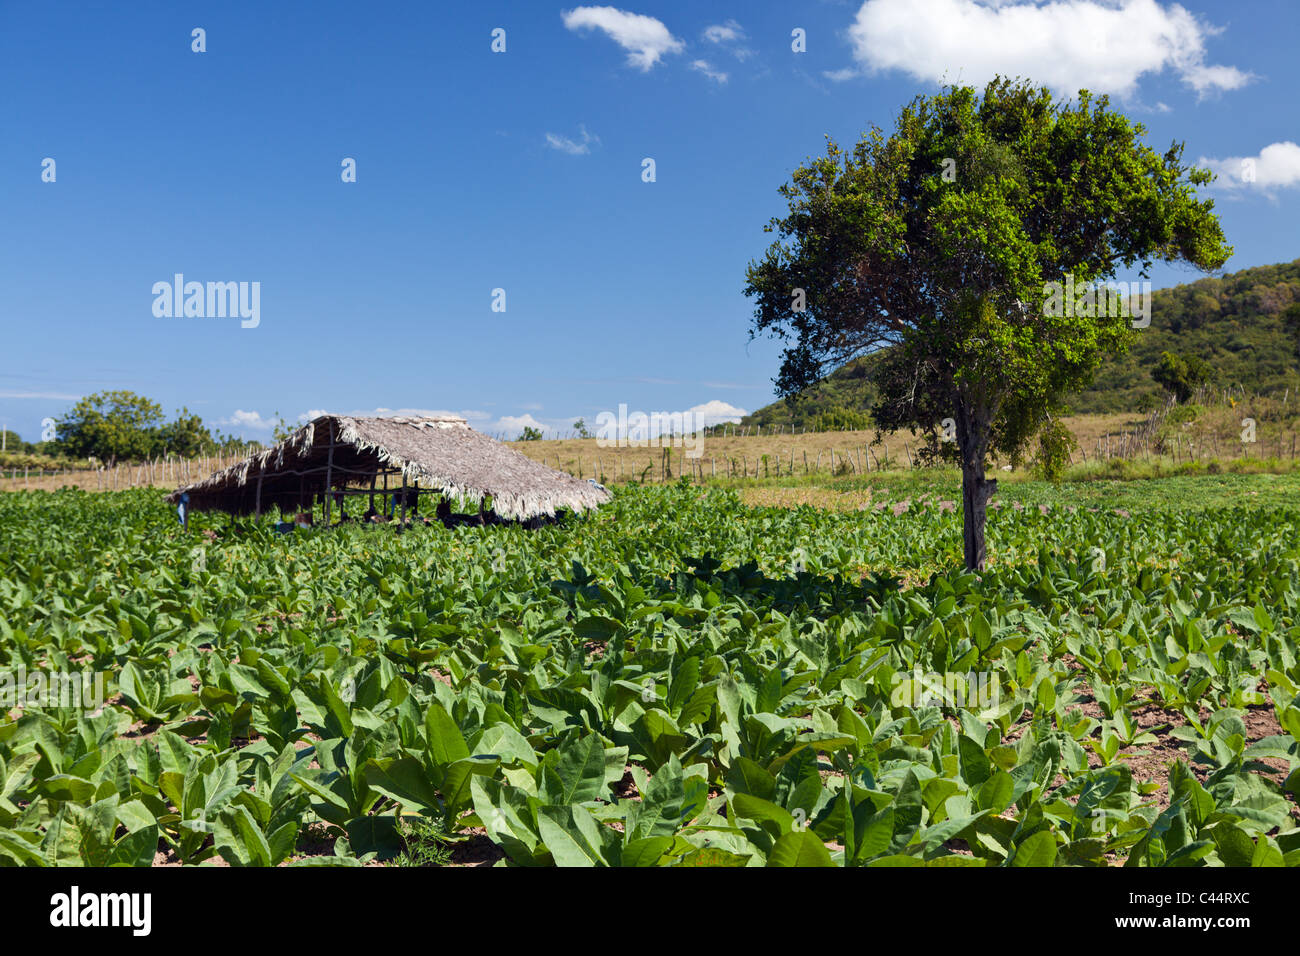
257 503
329 475
403 518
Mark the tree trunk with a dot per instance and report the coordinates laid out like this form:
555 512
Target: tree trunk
974 424
975 493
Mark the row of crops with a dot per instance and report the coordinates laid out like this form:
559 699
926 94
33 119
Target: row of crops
676 680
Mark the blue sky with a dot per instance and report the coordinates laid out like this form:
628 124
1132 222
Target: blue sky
519 170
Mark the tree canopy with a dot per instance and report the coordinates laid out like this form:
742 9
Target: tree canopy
115 425
939 247
1181 375
110 425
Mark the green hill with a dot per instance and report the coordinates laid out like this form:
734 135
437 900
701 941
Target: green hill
1232 322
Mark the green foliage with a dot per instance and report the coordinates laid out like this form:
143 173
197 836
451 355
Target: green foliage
282 429
1181 375
1291 324
695 697
13 443
184 436
530 434
580 426
879 249
122 425
425 843
110 425
1052 456
1239 324
838 419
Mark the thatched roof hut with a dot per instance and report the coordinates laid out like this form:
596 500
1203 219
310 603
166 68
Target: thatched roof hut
439 455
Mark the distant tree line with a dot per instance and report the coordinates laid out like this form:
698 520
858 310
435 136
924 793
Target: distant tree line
1240 329
114 426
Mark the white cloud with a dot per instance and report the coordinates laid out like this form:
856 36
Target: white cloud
728 32
52 396
704 67
1276 166
625 422
728 35
715 412
839 76
645 38
571 146
249 421
515 424
1101 45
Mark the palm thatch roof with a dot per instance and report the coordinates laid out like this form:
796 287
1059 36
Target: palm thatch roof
442 455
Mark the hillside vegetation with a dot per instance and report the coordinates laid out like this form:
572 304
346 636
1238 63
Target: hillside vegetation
1234 323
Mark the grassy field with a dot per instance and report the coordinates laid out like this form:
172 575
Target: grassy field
938 485
1214 434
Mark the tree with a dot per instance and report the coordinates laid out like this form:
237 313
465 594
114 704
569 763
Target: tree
942 248
580 426
186 436
530 434
110 425
1181 375
282 429
13 443
837 418
1291 322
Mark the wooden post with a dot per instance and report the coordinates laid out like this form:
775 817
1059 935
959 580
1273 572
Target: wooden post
257 505
329 479
403 519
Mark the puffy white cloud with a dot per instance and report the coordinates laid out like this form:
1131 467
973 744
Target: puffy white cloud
1276 166
573 147
707 69
513 425
715 412
248 421
729 35
728 32
1068 45
646 39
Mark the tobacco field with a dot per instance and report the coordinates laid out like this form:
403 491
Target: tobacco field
678 679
